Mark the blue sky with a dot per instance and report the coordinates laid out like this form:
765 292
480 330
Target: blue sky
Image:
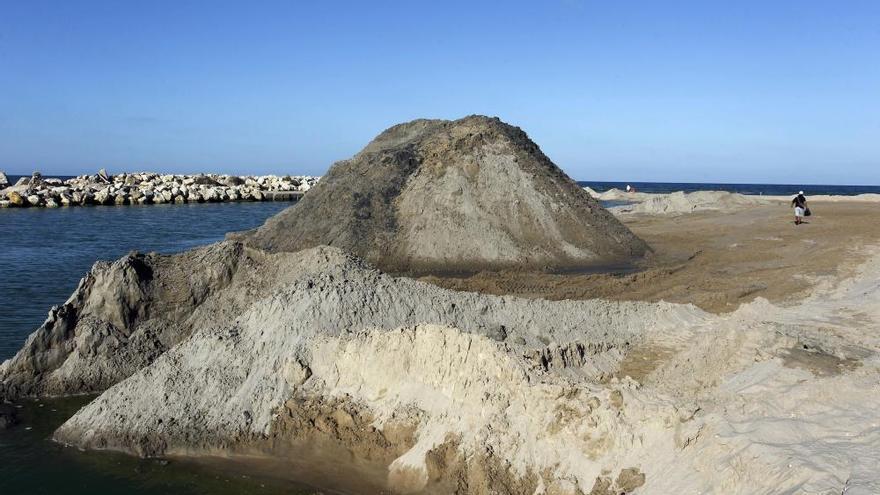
778 91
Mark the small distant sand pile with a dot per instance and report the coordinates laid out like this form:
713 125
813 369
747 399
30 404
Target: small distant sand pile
436 195
680 202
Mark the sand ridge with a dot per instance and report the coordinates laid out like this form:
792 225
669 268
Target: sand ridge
703 414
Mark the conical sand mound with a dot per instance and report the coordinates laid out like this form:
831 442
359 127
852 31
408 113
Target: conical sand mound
437 195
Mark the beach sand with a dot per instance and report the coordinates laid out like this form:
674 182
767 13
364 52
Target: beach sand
716 260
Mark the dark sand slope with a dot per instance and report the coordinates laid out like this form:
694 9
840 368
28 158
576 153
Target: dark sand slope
437 195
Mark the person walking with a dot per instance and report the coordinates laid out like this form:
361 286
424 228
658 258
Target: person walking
800 207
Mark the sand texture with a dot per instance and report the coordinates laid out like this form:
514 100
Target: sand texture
738 403
464 195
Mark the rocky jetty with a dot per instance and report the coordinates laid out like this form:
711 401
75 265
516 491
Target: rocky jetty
463 195
148 188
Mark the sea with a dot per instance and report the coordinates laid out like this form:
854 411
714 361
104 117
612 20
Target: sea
756 189
44 253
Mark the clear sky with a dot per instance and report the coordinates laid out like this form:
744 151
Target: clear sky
738 91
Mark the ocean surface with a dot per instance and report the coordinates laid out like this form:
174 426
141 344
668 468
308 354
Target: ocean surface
43 255
757 189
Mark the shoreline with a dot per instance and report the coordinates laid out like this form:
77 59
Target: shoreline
145 188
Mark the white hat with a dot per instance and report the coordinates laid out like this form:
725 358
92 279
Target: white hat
800 192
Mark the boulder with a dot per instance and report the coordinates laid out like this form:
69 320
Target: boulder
204 180
34 200
102 196
15 199
4 181
231 180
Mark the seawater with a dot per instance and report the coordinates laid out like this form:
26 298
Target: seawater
757 189
31 464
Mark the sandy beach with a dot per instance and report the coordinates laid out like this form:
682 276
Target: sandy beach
718 260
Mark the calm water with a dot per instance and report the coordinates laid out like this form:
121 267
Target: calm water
30 464
769 189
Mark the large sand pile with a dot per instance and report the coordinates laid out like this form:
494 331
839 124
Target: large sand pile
468 393
435 195
679 202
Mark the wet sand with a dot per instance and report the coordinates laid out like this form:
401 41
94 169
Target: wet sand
715 260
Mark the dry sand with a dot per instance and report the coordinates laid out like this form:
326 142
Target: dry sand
715 260
432 196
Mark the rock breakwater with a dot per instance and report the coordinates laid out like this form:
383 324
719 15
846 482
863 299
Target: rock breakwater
148 188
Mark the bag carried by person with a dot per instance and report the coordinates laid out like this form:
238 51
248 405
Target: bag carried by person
807 212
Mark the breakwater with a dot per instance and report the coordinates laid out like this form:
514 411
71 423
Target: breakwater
149 188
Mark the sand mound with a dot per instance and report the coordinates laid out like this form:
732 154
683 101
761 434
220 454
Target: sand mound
467 393
125 314
456 392
680 202
460 370
435 195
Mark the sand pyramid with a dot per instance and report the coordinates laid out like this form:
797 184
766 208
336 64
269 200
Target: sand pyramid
436 195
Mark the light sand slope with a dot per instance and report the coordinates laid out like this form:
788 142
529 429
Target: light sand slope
505 394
